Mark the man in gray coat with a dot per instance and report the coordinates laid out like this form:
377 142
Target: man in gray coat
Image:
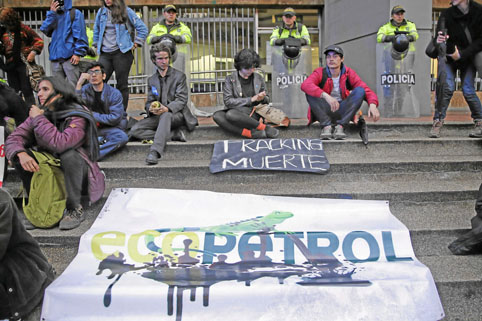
166 106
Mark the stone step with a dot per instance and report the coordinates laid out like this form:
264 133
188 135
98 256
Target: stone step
393 186
375 130
350 148
183 173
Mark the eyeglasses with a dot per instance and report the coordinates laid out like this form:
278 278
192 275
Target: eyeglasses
94 72
288 16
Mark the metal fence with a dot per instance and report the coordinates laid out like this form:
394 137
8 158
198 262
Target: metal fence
217 34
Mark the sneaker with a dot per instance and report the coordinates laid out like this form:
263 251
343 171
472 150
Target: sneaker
477 132
152 158
271 132
326 133
257 134
339 133
72 218
436 128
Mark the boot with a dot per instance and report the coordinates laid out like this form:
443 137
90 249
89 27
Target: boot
436 128
477 132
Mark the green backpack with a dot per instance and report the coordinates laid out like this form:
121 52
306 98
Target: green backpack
46 201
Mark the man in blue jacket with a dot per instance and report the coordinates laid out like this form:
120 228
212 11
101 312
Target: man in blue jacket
105 102
66 26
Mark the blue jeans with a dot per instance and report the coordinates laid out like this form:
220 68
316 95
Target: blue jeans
113 137
467 75
348 108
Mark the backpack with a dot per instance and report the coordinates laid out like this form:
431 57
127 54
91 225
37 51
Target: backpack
47 198
324 77
35 73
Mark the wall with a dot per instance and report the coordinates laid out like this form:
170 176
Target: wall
354 25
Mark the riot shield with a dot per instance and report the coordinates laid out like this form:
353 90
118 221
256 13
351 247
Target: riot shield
396 81
287 76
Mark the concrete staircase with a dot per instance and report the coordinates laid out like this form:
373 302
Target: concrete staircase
431 185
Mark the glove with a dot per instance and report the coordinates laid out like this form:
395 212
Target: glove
411 38
178 39
91 52
388 38
155 39
304 42
279 42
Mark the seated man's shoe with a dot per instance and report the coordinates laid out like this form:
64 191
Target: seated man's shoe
339 133
72 218
271 132
326 133
152 158
178 136
477 132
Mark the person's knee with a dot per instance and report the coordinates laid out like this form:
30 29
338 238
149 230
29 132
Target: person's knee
219 117
468 91
234 115
358 91
121 137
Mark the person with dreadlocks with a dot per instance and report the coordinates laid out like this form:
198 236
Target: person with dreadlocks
18 42
64 128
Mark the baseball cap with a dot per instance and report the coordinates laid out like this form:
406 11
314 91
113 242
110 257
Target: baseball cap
334 48
169 7
397 9
289 11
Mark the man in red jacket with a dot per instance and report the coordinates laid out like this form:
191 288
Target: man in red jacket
335 94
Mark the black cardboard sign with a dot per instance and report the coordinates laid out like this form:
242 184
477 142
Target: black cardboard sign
290 154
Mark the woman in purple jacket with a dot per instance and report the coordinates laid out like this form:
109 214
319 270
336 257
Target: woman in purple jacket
64 128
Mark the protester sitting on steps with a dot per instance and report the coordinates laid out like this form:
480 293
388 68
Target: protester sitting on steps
64 128
166 106
24 270
335 94
243 90
105 102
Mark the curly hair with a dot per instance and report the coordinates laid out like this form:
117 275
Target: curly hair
118 10
245 59
159 47
10 18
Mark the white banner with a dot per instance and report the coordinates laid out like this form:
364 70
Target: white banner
196 255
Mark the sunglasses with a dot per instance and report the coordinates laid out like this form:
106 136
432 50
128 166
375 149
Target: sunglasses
94 72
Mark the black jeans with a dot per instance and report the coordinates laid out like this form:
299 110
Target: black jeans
235 120
120 63
18 80
75 175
